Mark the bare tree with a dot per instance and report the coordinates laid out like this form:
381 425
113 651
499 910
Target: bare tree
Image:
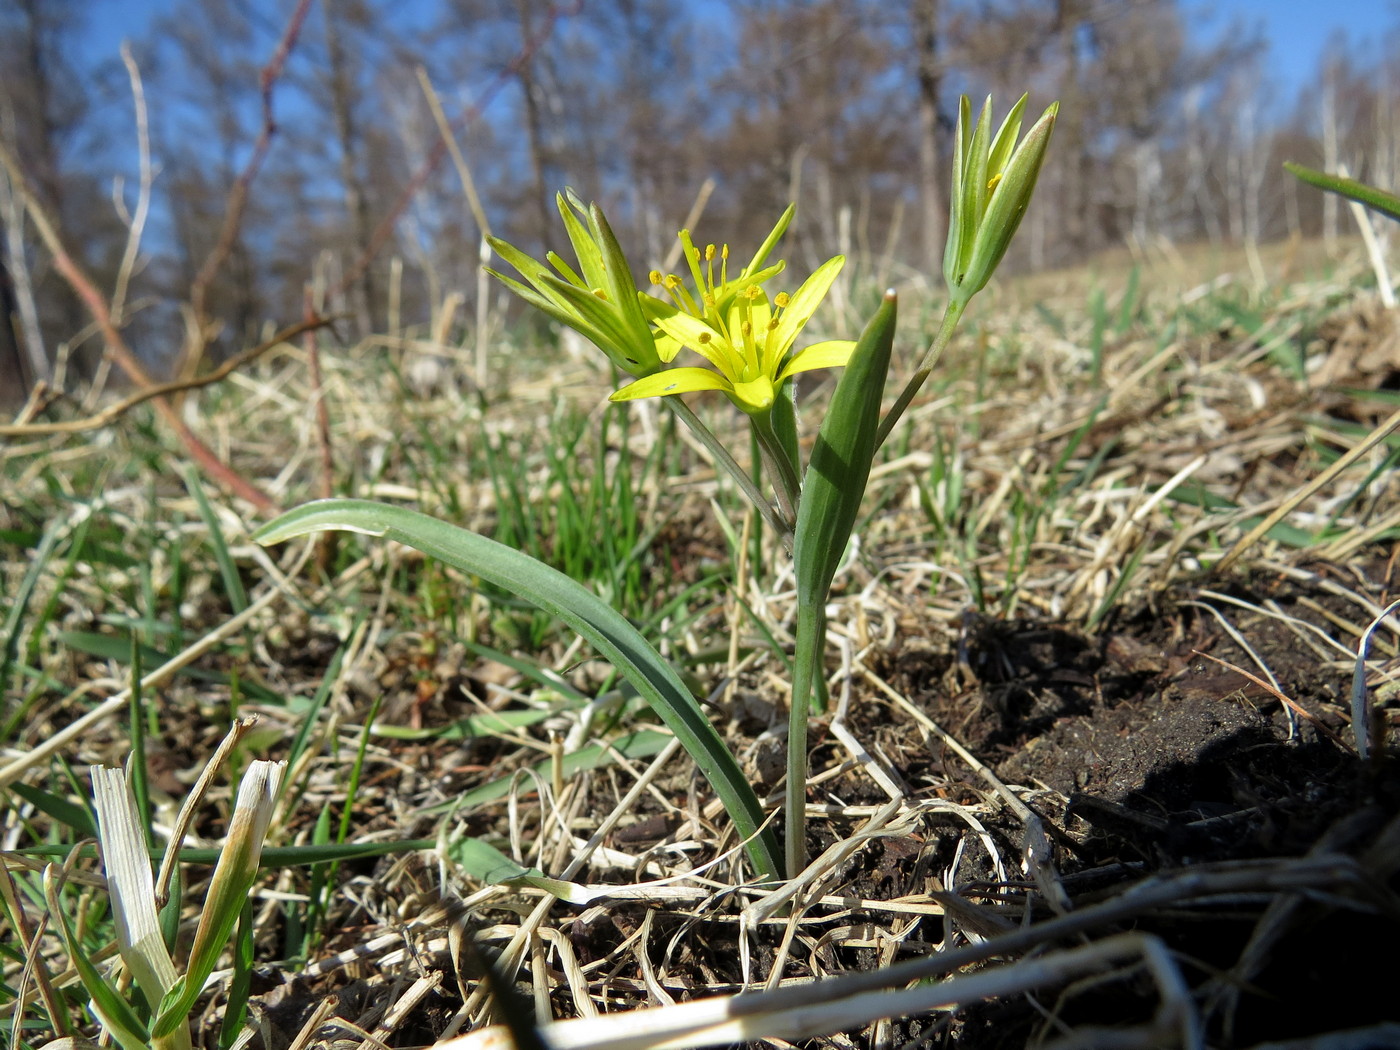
343 104
930 81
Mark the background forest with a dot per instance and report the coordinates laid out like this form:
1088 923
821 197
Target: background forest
297 144
1112 675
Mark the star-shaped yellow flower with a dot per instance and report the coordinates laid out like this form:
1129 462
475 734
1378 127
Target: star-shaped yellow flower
749 343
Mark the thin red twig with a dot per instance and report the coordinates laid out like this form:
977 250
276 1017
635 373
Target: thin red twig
238 193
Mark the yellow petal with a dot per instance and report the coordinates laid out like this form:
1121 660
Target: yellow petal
704 340
833 353
806 300
754 396
672 381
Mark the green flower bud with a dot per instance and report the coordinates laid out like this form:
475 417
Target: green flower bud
993 179
599 299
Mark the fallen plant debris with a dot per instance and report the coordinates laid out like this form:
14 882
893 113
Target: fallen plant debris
1195 855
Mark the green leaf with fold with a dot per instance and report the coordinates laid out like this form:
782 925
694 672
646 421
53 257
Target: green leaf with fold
1380 200
609 632
116 1014
834 485
832 491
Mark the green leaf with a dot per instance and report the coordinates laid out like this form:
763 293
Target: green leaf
621 286
1385 203
832 491
485 863
110 647
233 585
76 817
116 1014
609 632
490 723
752 270
640 744
834 485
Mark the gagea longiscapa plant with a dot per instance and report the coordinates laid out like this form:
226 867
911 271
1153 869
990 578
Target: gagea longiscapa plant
746 331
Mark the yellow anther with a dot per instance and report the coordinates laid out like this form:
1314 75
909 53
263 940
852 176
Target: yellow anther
601 294
724 252
781 300
709 253
655 277
772 323
992 182
752 292
709 298
704 337
671 282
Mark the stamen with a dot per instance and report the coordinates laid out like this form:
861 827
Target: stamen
655 277
992 182
601 294
709 253
752 292
781 300
672 282
704 338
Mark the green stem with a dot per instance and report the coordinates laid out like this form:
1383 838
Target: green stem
951 316
806 673
786 483
722 456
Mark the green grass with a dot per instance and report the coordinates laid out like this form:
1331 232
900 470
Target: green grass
1055 421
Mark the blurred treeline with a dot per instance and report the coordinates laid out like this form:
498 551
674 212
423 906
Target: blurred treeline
845 106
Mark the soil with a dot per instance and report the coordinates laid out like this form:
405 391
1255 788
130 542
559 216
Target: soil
1154 747
1155 758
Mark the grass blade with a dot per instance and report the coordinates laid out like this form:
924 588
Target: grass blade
609 632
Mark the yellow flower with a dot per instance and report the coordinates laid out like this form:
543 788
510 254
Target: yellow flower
746 338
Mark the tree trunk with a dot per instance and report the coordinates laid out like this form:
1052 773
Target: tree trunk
534 125
356 202
14 382
930 80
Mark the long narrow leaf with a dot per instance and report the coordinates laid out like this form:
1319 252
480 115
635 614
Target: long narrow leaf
644 743
1385 203
609 632
115 1013
832 491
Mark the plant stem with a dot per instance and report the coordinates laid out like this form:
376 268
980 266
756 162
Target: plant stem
952 314
746 484
786 483
806 672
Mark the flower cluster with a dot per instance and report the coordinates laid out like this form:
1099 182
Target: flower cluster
732 323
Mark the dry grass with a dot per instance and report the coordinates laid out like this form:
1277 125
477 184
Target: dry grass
1076 468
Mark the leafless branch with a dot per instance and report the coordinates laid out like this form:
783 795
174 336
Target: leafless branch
238 194
112 412
127 361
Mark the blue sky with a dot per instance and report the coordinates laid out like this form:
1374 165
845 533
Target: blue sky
1297 30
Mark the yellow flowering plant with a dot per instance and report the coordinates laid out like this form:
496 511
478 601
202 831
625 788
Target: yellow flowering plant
751 340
